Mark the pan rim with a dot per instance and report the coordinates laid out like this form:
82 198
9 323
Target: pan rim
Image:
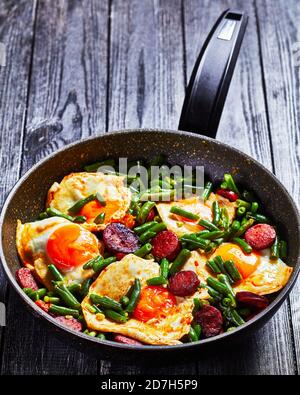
273 306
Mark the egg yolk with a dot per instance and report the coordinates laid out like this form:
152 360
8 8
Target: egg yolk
245 263
155 302
70 246
92 209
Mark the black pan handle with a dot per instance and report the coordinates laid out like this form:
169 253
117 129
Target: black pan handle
212 73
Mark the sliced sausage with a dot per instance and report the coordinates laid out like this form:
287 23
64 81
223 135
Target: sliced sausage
165 245
26 279
118 238
260 236
126 340
71 323
251 300
230 195
210 320
184 283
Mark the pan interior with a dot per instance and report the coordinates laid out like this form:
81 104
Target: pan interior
28 197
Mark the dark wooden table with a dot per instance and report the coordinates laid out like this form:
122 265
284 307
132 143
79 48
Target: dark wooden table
80 68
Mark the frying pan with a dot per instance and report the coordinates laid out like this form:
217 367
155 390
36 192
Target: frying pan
201 112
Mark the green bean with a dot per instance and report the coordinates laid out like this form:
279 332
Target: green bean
55 273
241 211
215 234
237 319
157 280
99 219
203 232
283 249
193 335
164 268
115 316
100 199
98 311
207 190
91 262
183 213
90 308
217 296
208 225
106 303
232 230
52 212
275 250
51 299
85 287
216 213
217 285
144 212
243 244
163 195
93 333
80 219
149 256
157 219
220 264
81 203
225 218
100 265
197 329
243 203
135 296
213 267
180 261
149 234
63 310
211 247
38 294
219 241
244 227
232 270
232 315
231 328
229 301
230 183
197 305
254 207
244 220
95 166
259 218
224 185
124 301
143 228
43 215
144 250
224 279
195 242
101 336
67 296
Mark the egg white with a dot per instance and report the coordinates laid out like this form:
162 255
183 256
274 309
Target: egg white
76 186
31 240
114 282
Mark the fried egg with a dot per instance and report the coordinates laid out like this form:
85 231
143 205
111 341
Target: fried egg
115 281
195 205
60 242
77 186
260 274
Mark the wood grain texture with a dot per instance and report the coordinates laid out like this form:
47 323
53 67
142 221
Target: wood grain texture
16 31
243 125
67 101
282 81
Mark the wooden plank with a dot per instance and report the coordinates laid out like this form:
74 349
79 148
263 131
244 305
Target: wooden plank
146 85
243 125
16 30
67 101
279 35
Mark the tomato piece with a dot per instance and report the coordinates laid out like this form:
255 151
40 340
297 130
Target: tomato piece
230 195
155 302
